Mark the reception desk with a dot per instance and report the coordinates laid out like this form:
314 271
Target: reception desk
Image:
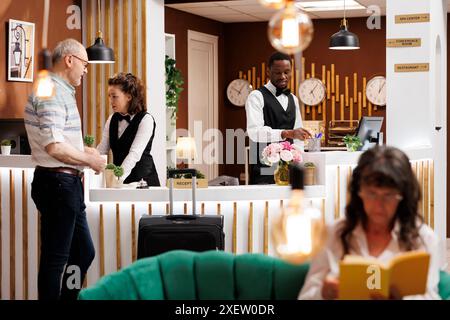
113 214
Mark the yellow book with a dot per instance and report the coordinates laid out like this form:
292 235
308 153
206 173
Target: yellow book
361 277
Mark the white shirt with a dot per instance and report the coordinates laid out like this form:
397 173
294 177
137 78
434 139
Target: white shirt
137 148
326 263
256 129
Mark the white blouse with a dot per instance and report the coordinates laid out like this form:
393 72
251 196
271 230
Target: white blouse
326 263
143 135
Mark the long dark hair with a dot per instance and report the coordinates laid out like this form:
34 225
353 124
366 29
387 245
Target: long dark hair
384 167
132 85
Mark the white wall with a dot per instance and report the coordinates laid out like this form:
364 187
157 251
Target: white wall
417 102
156 99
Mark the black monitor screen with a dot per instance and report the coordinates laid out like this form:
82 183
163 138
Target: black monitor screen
368 129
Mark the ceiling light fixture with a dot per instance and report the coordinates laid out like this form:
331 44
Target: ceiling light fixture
99 52
344 39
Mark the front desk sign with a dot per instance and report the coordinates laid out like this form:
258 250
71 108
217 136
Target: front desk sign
412 67
412 18
405 42
187 183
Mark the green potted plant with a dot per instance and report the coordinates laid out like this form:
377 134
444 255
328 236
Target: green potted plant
174 86
310 173
89 140
6 147
109 175
352 142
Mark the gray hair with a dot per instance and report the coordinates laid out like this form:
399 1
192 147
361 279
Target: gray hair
66 47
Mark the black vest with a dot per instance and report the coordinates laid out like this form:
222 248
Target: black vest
276 118
145 167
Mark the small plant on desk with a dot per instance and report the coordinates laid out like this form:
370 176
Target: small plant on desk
6 142
89 140
352 142
6 146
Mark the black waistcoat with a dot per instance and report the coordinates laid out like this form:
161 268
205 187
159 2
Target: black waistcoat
276 118
145 167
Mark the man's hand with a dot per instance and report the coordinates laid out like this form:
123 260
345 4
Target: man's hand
97 163
330 288
91 150
299 133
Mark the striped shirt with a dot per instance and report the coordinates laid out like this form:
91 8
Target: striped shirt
53 120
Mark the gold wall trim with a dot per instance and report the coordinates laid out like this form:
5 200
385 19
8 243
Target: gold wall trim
150 209
90 88
250 229
134 41
432 194
24 235
101 241
218 209
426 190
133 233
338 194
144 42
118 245
266 228
202 212
12 236
234 235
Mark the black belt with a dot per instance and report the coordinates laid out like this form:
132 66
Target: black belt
71 171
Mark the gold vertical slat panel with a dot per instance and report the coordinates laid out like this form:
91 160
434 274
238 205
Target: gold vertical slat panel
364 102
150 209
24 235
144 43
332 78
426 191
263 73
125 36
185 208
234 236
202 212
297 81
266 228
328 85
359 111
420 177
324 113
250 229
432 194
337 202
118 244
90 88
98 103
303 68
134 37
12 236
333 109
218 209
346 91
355 86
323 210
342 112
107 38
240 74
337 88
342 103
254 77
116 33
313 70
101 241
133 233
313 109
351 110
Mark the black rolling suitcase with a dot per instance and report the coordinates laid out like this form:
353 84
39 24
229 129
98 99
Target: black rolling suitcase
158 234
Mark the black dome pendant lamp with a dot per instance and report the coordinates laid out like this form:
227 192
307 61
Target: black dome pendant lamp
99 52
344 39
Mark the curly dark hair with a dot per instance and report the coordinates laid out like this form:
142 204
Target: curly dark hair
384 167
132 85
278 56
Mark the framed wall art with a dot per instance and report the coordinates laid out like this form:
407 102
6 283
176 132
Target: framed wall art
20 51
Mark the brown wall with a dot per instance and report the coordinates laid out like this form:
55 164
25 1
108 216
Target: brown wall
13 95
178 22
246 45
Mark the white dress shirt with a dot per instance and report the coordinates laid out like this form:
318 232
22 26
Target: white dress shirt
326 263
256 129
137 148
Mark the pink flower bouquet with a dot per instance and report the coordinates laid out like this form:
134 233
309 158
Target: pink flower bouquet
282 152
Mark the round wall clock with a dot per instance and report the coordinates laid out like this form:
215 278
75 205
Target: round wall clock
238 91
376 91
312 91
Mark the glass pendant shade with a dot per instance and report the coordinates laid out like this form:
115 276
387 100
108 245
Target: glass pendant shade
44 87
274 4
99 53
290 30
344 39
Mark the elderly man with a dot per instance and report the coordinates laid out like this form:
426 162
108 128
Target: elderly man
54 131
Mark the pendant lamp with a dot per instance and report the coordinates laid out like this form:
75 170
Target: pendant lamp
99 52
344 39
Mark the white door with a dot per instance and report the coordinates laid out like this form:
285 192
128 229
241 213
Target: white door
203 101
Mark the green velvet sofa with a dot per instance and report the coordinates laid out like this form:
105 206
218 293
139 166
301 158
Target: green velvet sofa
211 275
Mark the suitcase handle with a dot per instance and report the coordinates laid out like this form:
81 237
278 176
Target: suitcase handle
173 172
181 217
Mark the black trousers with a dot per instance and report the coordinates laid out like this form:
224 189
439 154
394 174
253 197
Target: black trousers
67 250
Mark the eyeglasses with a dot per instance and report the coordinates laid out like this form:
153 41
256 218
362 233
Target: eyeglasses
385 198
85 63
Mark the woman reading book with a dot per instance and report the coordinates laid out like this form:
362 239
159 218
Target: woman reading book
381 222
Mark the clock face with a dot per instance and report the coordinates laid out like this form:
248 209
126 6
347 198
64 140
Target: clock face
238 91
312 91
376 91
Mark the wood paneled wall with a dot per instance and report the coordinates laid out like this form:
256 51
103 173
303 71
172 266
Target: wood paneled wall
123 24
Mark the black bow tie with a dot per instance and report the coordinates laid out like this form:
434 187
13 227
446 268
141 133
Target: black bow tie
121 117
285 91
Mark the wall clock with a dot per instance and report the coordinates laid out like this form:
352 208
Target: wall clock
238 91
312 91
376 91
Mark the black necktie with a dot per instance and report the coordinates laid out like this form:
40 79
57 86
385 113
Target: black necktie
285 91
127 117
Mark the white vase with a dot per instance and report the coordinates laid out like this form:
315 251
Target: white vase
6 150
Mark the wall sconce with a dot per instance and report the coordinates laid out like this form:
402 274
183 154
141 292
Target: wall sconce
44 87
290 30
17 53
99 52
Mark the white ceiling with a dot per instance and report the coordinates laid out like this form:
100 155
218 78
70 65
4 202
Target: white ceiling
252 10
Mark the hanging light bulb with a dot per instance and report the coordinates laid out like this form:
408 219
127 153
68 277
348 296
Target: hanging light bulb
299 233
344 39
274 4
44 87
290 29
99 52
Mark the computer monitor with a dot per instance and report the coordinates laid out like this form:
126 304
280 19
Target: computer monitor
369 132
